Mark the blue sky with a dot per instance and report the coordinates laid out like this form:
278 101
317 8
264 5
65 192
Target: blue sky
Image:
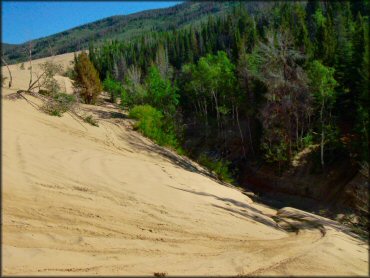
23 21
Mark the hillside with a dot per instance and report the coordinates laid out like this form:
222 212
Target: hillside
117 27
85 200
276 100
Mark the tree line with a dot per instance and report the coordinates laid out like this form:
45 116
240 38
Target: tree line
264 85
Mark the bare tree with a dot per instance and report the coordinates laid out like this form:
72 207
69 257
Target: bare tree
120 69
162 62
134 74
46 78
288 101
10 73
30 60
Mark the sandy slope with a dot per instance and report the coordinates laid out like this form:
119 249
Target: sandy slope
80 200
21 77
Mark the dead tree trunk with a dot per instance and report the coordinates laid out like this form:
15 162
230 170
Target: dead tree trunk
30 59
10 73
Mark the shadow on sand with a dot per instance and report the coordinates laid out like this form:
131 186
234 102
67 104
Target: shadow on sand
177 160
242 209
103 114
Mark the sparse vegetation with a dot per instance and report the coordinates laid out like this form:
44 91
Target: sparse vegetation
59 103
90 120
45 79
219 166
69 72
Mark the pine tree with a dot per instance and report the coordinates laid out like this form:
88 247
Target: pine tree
361 58
86 79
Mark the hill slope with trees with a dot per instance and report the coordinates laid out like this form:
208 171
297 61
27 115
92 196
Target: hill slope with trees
279 94
116 27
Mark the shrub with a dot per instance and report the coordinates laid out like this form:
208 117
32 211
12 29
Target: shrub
21 66
44 92
59 103
219 167
132 94
69 72
113 87
153 125
307 140
86 79
90 120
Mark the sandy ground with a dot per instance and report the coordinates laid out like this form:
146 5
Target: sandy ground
85 200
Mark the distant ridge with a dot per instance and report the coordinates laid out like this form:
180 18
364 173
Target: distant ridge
116 27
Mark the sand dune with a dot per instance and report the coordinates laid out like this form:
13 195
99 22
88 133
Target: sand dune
84 200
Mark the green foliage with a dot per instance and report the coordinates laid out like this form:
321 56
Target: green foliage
48 82
86 79
361 44
322 82
133 93
319 17
161 94
254 63
325 42
275 75
275 151
308 140
152 124
220 167
69 72
362 127
212 81
113 87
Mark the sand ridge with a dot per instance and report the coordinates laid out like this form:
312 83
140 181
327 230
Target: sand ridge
85 200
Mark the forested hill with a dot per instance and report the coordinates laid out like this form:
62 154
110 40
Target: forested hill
118 27
280 92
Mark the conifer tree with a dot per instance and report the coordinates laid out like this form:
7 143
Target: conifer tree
86 79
